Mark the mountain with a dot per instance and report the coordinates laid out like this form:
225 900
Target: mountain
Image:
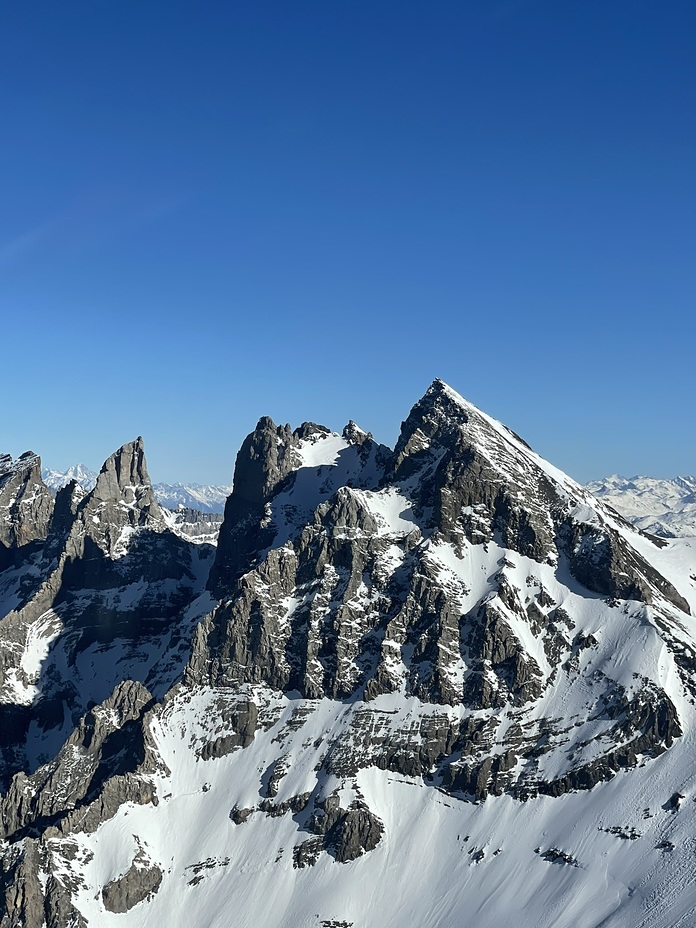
56 479
662 507
205 498
436 684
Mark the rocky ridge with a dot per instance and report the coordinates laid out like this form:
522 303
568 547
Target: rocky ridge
453 624
25 503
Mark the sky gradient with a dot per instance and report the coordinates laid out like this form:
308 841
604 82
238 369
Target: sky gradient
212 212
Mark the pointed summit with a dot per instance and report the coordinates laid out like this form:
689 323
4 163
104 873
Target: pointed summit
124 470
123 495
438 419
354 434
443 419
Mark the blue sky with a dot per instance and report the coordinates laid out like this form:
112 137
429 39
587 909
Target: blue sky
211 212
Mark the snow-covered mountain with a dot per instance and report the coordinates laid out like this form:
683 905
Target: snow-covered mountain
204 498
662 507
55 479
434 685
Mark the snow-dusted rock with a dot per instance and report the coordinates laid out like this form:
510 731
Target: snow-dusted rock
437 680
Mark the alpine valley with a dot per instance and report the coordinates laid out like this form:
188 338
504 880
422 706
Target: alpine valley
440 685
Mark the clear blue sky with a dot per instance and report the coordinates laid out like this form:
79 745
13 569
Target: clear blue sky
219 210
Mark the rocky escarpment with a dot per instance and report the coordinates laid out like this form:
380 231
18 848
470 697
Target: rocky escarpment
25 502
454 576
109 744
105 763
345 833
137 884
108 572
273 464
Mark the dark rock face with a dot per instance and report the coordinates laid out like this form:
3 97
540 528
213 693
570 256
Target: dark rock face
265 459
449 447
24 899
28 904
269 462
345 833
348 833
108 742
138 883
604 563
107 572
122 497
240 722
26 504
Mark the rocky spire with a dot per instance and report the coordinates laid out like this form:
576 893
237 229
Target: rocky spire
124 477
122 497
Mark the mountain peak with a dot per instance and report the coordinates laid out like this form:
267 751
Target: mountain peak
125 468
354 435
440 420
440 388
123 493
29 460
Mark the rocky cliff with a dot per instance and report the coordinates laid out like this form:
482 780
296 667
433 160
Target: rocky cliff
445 669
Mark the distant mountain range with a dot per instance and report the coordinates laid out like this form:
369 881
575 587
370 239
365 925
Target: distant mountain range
661 507
203 497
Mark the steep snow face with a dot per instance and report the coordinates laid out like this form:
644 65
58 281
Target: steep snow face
661 507
620 855
427 681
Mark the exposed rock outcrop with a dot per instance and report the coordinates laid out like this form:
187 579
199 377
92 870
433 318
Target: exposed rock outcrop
139 883
26 504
